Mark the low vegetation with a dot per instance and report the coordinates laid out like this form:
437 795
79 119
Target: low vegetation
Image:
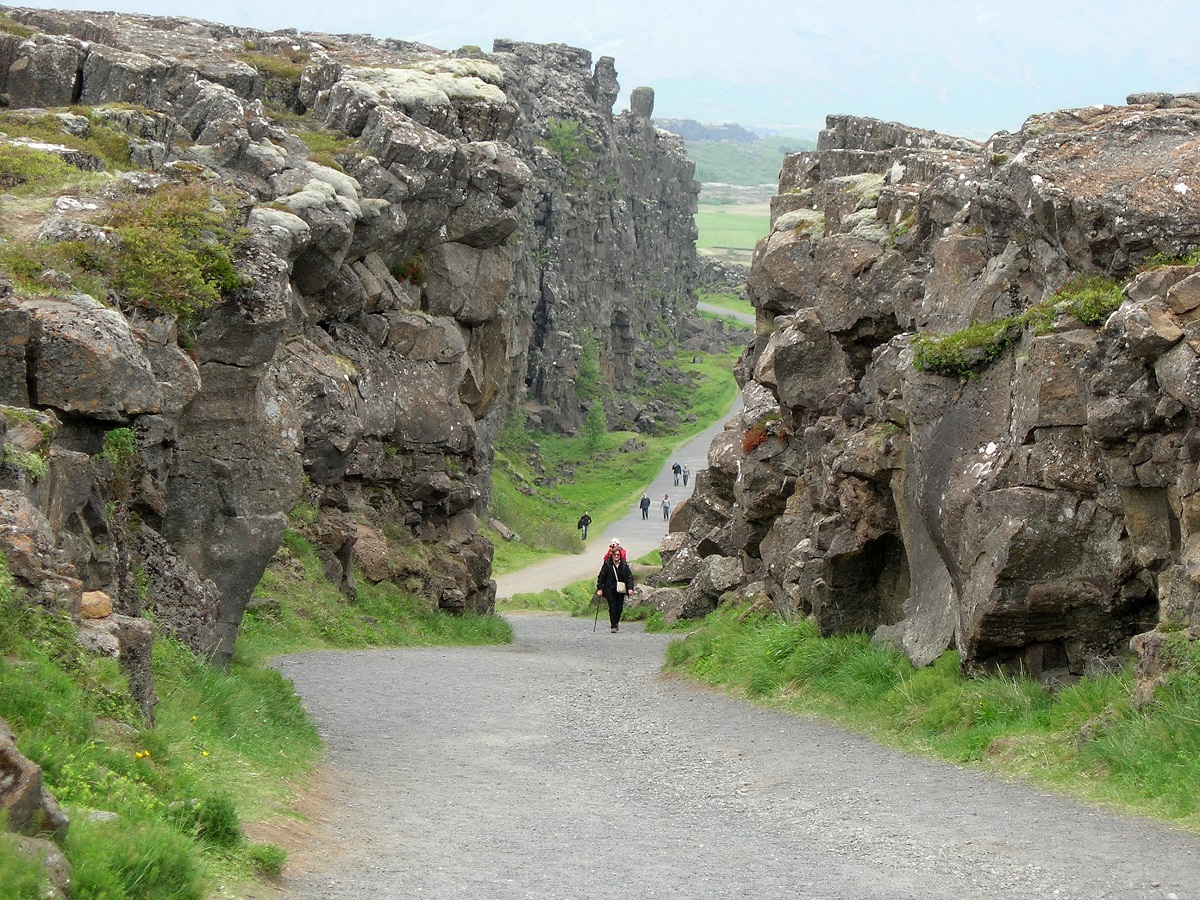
228 747
566 138
963 353
1088 739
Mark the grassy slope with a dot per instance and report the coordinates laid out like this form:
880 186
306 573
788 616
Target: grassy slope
739 227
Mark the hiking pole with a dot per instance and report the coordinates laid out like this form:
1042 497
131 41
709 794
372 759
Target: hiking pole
597 622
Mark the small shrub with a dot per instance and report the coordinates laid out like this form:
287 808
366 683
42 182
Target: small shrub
595 426
410 269
176 249
284 66
121 451
32 464
24 170
268 859
1090 300
964 352
565 138
217 821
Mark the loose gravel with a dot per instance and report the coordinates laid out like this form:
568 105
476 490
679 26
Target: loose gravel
566 766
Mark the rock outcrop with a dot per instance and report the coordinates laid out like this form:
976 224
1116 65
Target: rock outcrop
470 221
1034 508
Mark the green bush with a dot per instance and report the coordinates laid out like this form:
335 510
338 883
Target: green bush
24 170
176 249
964 352
217 821
174 252
566 138
1090 300
268 859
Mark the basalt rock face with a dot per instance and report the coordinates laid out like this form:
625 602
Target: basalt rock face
1036 515
393 301
605 247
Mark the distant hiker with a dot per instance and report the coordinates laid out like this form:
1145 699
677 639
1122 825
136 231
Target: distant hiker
614 582
644 505
584 521
666 505
686 473
675 470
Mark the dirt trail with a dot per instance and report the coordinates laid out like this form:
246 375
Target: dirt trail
565 766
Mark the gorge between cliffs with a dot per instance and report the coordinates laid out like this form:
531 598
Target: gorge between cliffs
969 404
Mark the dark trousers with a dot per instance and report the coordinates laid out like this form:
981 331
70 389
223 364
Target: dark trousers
616 606
645 512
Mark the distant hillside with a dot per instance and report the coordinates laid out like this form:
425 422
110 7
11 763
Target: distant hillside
691 130
757 163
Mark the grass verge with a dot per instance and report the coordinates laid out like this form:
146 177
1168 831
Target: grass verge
731 302
1087 740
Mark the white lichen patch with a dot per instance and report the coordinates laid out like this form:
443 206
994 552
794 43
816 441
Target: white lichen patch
866 187
864 224
461 67
415 87
801 220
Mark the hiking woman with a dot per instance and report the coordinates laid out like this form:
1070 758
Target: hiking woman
614 582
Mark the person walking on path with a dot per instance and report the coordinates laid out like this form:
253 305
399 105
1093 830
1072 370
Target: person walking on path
644 504
584 521
685 475
676 471
666 505
614 583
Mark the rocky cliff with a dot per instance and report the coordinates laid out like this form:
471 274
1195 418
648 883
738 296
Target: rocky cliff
419 241
970 403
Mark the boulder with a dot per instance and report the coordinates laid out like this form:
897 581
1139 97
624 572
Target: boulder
28 807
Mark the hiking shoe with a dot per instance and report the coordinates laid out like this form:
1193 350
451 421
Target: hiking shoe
615 629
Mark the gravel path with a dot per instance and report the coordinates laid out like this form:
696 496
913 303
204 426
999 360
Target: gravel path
565 766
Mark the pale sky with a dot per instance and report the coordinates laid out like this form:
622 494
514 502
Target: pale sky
966 68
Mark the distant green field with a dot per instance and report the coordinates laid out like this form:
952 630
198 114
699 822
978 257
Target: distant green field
732 227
